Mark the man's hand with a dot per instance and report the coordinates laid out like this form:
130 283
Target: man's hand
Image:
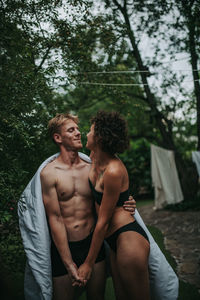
130 205
84 272
74 276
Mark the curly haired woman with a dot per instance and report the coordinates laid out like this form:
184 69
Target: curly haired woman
108 179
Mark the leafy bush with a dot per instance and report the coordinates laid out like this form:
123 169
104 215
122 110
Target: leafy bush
137 162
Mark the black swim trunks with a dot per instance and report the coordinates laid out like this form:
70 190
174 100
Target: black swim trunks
133 226
79 251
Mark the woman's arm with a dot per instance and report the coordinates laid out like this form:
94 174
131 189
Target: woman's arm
112 189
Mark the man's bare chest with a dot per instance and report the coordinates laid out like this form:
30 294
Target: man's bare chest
72 183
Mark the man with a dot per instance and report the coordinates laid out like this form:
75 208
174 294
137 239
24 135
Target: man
69 208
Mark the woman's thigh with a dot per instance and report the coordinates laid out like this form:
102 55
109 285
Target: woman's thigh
132 261
131 246
118 286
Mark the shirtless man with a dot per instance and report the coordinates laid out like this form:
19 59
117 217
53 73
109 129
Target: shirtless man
69 208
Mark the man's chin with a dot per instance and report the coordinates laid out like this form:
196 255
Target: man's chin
75 148
79 147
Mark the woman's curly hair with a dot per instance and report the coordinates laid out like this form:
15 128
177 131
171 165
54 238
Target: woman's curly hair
110 131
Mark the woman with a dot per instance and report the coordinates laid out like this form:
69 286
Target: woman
108 179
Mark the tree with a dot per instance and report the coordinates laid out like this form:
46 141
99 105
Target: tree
123 10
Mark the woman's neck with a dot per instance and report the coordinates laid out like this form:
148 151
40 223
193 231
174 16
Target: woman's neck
101 158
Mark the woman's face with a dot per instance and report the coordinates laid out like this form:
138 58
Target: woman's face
90 138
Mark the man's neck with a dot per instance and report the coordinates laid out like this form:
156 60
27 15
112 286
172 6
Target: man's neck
69 157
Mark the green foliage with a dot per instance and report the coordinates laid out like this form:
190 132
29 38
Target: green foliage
137 162
23 115
12 260
12 251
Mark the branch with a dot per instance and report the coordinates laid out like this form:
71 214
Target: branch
191 3
118 5
38 21
43 60
125 3
150 137
137 96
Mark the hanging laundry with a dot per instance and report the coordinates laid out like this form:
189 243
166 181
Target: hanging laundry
164 177
196 160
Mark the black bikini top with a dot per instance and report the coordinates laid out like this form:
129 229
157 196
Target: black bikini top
99 195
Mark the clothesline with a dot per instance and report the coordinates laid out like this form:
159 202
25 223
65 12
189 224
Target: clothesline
113 84
122 84
130 71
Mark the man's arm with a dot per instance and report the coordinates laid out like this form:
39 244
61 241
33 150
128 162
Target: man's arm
57 227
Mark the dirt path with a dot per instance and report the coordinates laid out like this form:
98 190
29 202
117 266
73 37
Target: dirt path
181 232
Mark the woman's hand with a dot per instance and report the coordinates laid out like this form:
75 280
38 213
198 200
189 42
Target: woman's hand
84 272
74 276
130 205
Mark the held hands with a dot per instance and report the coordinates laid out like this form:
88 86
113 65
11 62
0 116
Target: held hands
130 205
84 273
74 276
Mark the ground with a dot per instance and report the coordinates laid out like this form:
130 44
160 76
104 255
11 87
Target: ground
181 232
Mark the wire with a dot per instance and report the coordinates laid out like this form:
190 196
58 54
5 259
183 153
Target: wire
113 84
130 71
113 72
124 84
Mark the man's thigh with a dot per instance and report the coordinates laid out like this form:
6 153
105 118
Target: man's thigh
96 285
63 289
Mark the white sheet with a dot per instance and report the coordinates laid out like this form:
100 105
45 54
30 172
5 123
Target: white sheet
196 160
164 177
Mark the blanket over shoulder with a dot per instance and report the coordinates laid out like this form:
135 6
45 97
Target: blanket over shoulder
36 240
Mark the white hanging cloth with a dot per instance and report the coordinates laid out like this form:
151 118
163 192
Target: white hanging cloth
164 177
196 160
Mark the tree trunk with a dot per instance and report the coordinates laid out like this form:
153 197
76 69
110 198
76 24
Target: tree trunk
194 63
188 177
162 122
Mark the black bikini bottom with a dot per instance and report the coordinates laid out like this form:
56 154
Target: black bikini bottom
133 226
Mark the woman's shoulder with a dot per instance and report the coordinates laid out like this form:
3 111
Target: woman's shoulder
115 167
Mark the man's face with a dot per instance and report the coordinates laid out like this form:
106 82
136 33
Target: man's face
69 136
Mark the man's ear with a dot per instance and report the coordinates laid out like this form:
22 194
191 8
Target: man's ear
57 138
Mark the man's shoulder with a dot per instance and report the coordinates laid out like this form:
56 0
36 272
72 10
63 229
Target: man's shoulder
48 170
84 164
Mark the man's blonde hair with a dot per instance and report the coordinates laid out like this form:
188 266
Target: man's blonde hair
55 123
